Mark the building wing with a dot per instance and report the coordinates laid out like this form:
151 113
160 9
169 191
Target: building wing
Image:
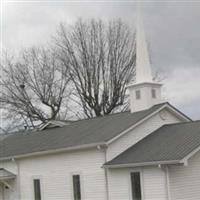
169 144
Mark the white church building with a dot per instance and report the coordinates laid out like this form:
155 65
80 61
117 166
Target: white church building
151 152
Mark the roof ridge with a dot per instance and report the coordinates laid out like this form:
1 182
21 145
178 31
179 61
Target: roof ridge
109 115
96 117
85 119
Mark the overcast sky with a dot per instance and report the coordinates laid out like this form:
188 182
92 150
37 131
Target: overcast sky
172 30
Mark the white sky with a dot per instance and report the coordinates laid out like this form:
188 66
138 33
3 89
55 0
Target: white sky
172 29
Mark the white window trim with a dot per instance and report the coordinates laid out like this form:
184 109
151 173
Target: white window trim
81 184
40 177
141 182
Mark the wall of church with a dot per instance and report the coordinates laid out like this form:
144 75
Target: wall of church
55 172
141 131
153 183
185 180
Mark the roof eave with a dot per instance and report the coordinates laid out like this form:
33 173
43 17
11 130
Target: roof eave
191 154
178 113
54 151
143 164
7 178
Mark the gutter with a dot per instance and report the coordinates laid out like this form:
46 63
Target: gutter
172 162
54 151
104 150
18 177
168 183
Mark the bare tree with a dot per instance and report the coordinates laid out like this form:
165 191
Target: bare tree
34 89
101 58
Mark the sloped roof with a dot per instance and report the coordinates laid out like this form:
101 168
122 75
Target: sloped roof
169 143
83 132
5 174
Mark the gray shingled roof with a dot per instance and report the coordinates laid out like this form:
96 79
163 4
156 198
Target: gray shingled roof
83 132
169 143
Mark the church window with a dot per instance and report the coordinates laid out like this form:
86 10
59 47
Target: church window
138 94
37 190
136 186
153 93
76 187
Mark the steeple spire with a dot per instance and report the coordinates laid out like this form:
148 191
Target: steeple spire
143 67
144 93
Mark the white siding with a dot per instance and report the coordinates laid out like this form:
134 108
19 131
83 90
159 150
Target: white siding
155 184
139 132
55 172
185 180
146 101
153 181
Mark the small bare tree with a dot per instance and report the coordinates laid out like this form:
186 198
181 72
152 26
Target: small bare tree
34 89
101 57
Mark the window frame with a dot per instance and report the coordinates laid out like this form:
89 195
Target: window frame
76 181
41 186
141 183
81 184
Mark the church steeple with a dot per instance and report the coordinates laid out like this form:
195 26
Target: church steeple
144 93
143 68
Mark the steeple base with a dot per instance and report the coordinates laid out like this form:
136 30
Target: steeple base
144 95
